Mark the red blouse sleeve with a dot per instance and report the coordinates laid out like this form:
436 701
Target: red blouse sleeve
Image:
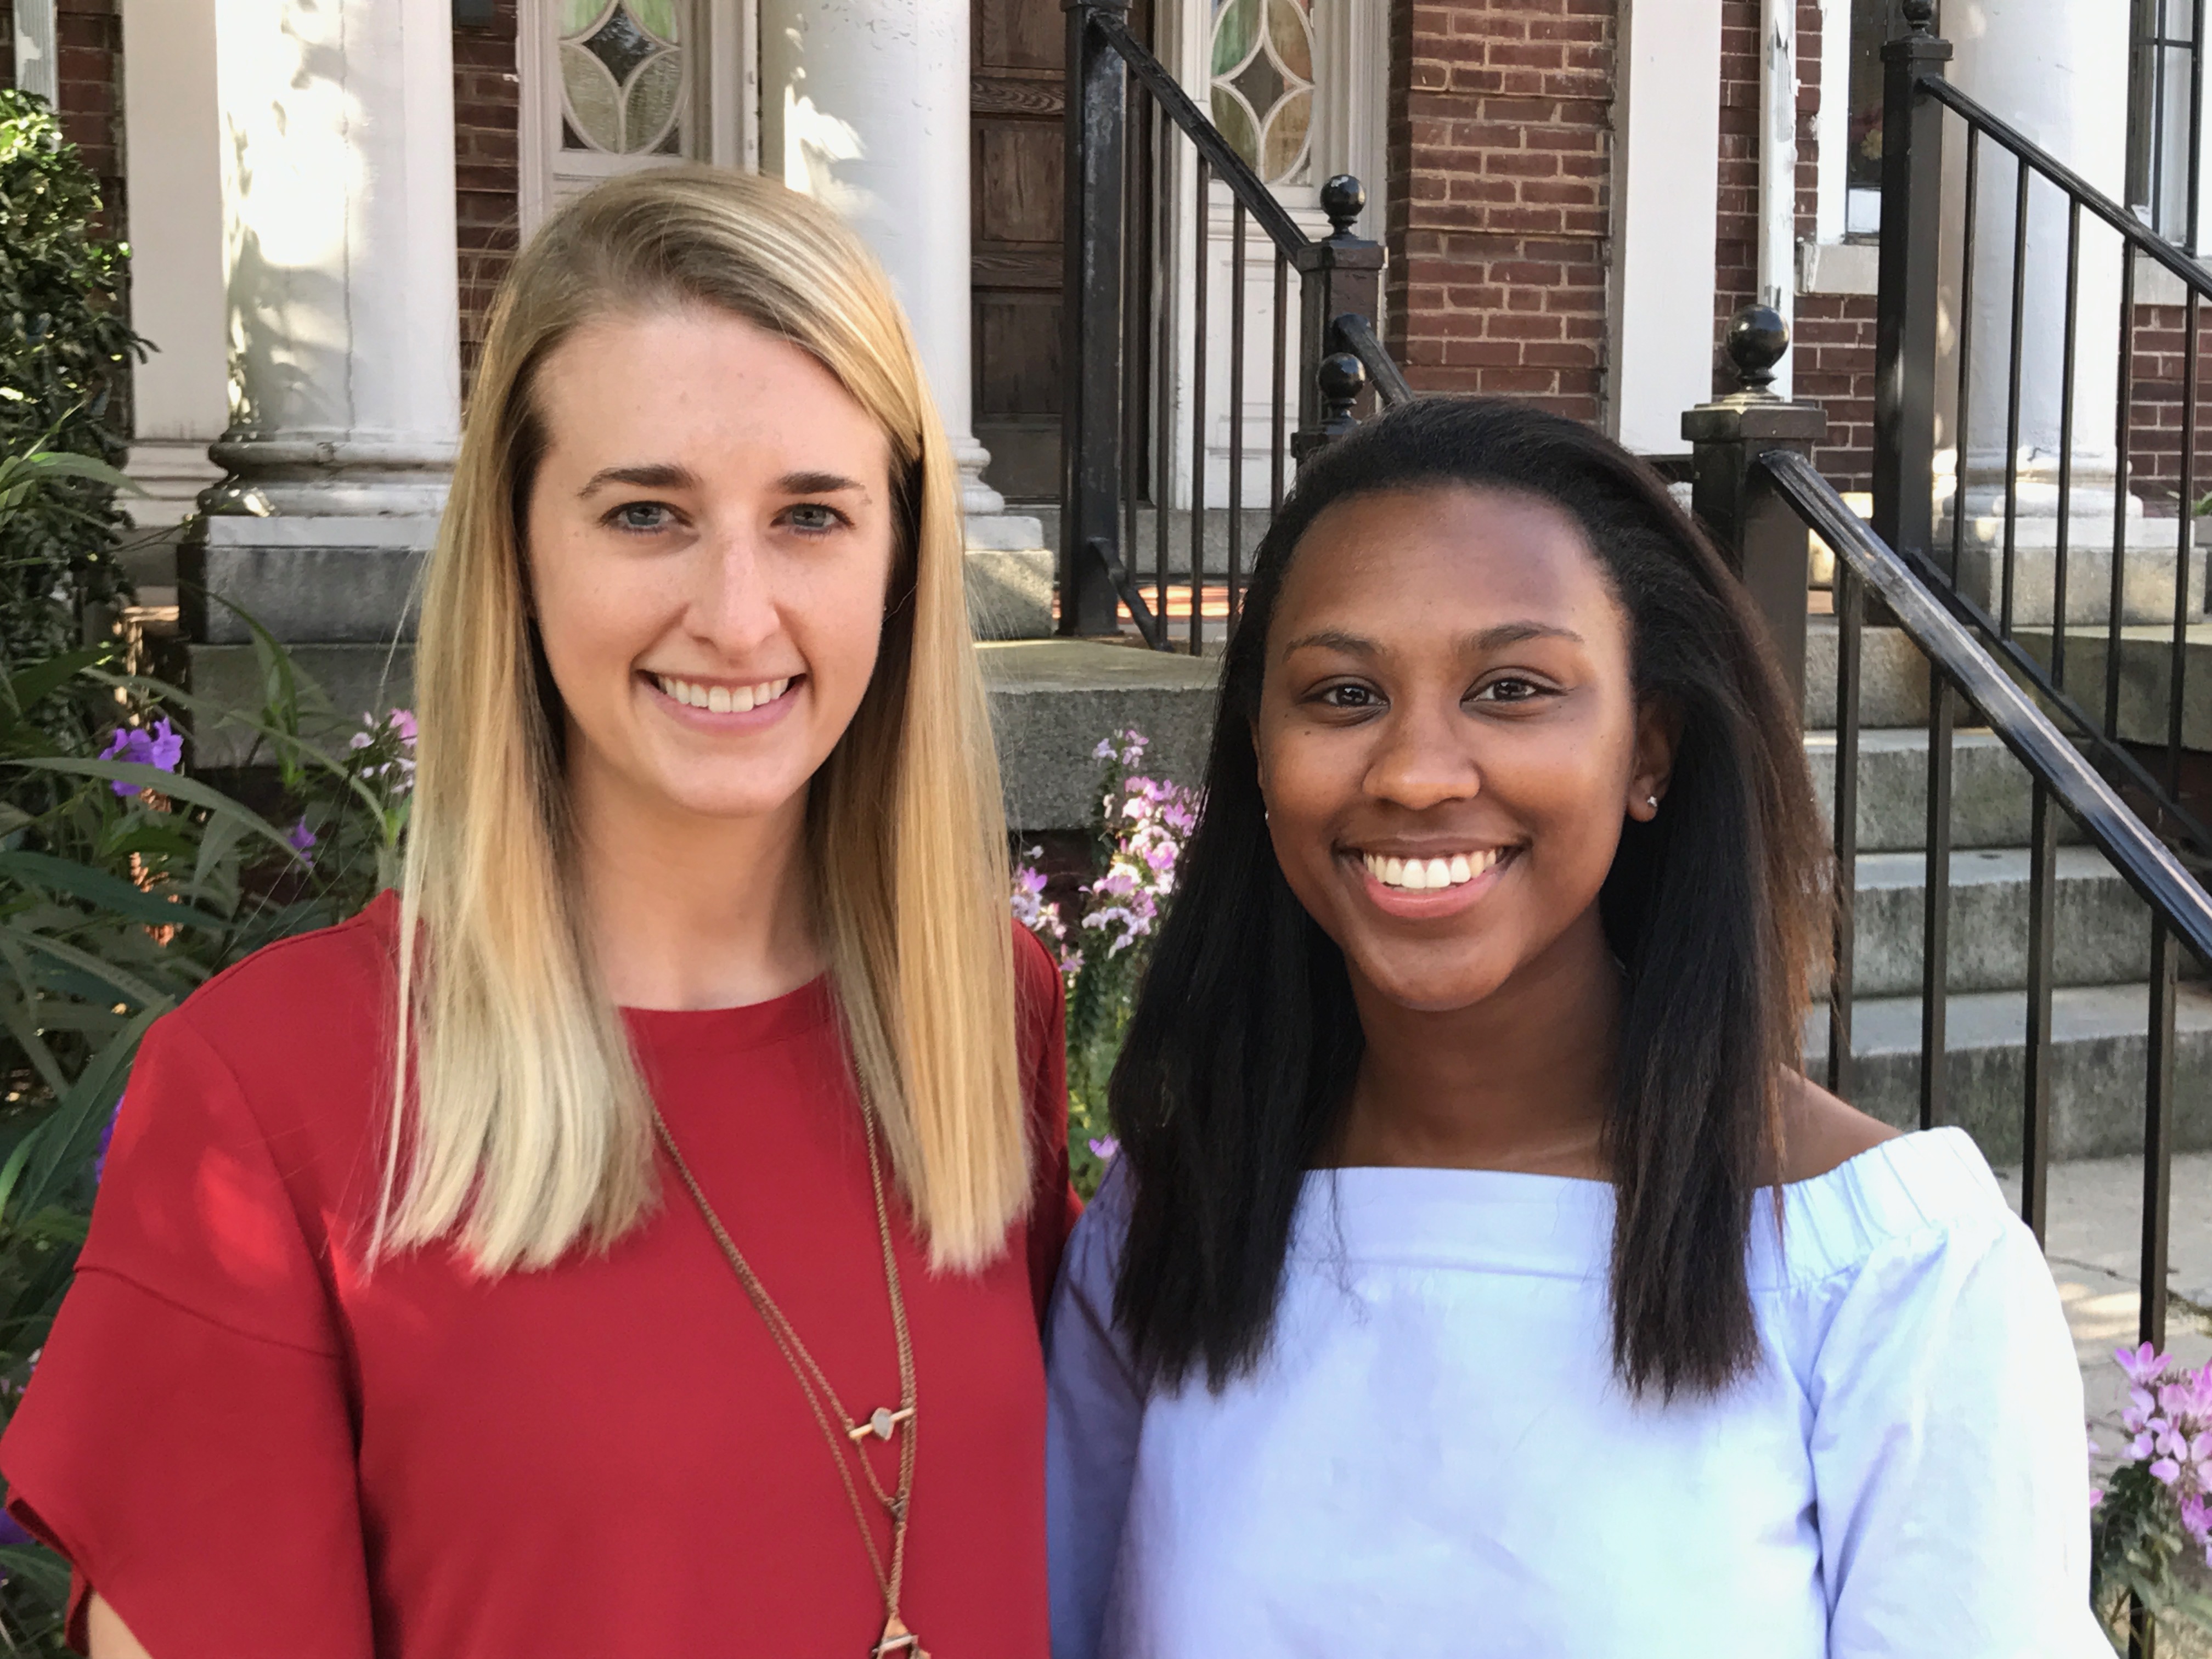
185 1440
1054 1206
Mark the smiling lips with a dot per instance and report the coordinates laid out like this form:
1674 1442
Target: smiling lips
722 699
1431 875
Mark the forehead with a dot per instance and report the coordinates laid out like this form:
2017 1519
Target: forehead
696 384
1446 559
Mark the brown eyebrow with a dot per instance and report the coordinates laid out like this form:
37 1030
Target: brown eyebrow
658 475
661 475
818 484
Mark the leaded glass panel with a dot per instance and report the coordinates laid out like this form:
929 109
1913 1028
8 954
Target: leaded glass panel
623 74
1261 68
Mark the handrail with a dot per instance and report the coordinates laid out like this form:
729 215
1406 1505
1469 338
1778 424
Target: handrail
1359 336
1259 201
2132 229
2145 862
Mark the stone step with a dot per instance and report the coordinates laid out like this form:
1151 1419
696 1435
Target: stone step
1990 799
1893 676
1053 701
2103 929
1142 556
2146 678
2099 1050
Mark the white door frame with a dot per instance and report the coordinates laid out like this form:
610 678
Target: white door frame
725 89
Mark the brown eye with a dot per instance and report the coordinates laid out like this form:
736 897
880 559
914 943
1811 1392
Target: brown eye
1351 697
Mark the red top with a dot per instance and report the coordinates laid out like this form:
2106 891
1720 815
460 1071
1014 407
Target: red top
254 1451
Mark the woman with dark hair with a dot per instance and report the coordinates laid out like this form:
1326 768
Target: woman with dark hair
1479 1273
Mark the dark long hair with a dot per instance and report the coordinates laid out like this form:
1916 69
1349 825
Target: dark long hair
1240 1058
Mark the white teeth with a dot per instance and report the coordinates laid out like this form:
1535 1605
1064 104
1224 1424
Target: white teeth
722 699
1428 875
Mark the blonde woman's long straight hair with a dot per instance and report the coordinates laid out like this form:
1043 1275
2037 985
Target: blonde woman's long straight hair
521 1124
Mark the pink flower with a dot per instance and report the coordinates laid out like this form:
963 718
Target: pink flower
2142 1365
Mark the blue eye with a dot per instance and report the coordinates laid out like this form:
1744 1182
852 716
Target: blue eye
814 517
642 518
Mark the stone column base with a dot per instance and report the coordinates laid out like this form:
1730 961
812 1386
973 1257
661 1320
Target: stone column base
327 580
1009 577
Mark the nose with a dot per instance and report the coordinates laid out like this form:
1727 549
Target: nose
732 604
1424 758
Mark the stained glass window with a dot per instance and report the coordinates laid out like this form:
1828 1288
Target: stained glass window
621 75
1263 76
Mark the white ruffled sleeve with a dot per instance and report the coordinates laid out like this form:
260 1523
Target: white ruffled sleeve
1948 1451
1096 1411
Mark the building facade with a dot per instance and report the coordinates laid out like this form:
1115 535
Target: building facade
1575 195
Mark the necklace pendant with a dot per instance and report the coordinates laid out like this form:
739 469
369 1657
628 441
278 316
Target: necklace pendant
897 1642
881 1423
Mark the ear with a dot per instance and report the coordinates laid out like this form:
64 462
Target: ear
1658 733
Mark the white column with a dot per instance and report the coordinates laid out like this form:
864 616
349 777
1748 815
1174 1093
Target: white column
1777 170
336 147
38 50
2058 70
864 107
1666 114
172 118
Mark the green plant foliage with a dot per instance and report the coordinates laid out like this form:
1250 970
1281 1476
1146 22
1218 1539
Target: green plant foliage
114 907
65 350
2138 1558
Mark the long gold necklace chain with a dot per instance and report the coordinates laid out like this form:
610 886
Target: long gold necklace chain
815 1385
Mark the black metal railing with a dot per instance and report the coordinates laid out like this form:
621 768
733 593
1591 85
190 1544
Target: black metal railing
2137 734
1143 168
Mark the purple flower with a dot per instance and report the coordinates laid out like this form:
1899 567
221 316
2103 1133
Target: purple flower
158 745
1105 1148
2143 1365
300 838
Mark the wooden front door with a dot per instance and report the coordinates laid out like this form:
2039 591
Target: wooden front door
1015 206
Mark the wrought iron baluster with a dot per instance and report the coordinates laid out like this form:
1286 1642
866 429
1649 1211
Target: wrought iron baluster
1850 614
2185 550
1163 372
1201 237
1236 416
1965 351
1281 435
2158 1139
1935 924
2122 427
2012 397
2065 445
2035 1122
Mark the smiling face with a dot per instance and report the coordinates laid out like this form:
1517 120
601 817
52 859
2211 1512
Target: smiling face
1449 738
711 534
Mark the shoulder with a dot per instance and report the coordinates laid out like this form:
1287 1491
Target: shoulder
288 1050
319 987
1820 1132
1908 1207
1036 976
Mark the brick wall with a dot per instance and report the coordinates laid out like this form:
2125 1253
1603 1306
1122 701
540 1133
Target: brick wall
485 97
1832 351
91 102
1500 127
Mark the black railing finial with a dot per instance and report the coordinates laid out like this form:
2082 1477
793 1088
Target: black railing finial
1757 338
1342 198
1920 15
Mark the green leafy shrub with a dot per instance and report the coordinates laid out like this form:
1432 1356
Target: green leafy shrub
125 885
65 350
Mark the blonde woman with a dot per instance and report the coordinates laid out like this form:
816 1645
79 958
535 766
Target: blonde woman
677 1292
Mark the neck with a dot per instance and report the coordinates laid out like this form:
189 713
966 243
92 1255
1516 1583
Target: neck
1520 1081
687 911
